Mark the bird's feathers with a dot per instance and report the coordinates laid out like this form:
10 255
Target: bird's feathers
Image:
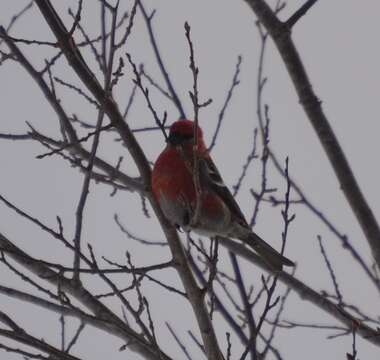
211 178
219 213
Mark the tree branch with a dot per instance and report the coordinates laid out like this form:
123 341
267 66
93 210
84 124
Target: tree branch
281 36
306 292
80 67
112 323
300 12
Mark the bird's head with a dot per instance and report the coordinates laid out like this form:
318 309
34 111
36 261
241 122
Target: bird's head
182 133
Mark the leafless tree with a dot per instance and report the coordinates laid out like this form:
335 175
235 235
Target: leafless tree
84 76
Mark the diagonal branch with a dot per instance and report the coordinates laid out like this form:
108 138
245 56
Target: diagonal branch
300 12
112 323
77 63
84 195
64 121
306 293
81 68
148 21
20 335
281 35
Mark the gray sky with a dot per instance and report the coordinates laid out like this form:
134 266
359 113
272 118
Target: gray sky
338 42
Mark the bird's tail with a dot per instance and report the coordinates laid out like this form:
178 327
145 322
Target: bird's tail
272 257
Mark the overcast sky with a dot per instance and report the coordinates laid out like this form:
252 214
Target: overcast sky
338 42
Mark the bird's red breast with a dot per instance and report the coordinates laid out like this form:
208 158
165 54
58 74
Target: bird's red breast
172 178
171 175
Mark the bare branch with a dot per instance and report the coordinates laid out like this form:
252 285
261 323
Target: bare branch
300 13
331 271
160 123
312 106
305 292
112 323
75 337
235 83
83 197
136 238
148 21
178 341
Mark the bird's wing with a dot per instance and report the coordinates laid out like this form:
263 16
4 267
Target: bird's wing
210 177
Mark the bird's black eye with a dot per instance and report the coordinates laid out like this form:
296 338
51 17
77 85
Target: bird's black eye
187 136
176 138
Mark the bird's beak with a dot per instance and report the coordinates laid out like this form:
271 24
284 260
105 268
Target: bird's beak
173 139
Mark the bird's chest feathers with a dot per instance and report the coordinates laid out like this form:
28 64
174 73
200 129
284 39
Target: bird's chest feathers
176 175
173 182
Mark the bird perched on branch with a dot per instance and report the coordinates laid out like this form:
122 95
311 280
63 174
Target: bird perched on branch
192 195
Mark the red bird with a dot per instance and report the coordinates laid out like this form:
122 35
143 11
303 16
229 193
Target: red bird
218 214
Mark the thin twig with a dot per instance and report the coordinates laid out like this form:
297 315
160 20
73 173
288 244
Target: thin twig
83 198
136 238
235 83
178 341
331 271
148 21
196 106
75 337
137 80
